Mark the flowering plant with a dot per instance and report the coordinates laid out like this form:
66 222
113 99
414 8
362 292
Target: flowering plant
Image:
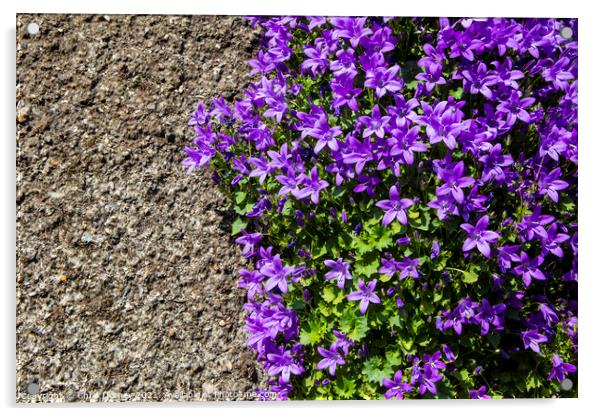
407 192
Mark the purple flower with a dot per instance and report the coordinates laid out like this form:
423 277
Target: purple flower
427 381
281 159
557 74
479 393
529 268
493 164
479 236
375 124
404 142
560 369
532 339
408 267
478 80
548 314
490 316
384 80
444 205
454 182
434 362
248 240
449 354
200 116
221 110
325 134
344 64
313 186
552 242
396 387
283 364
198 157
251 280
365 295
432 56
350 28
389 266
435 250
533 224
332 358
506 256
262 168
443 122
339 270
342 341
317 62
395 207
403 241
290 183
550 184
515 107
276 108
277 274
361 153
506 74
344 93
431 76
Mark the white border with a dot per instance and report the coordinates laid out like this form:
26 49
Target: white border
589 183
473 8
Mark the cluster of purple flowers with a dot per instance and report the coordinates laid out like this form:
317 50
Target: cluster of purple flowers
487 316
424 375
497 163
335 355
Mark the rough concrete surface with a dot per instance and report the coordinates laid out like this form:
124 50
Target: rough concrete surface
126 271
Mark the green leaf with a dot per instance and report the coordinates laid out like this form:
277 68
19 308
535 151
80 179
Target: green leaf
328 294
462 375
373 370
325 309
332 294
407 344
469 277
361 246
240 196
421 221
415 324
494 338
411 85
457 93
237 225
344 240
311 333
382 242
393 358
426 307
345 387
323 250
413 215
440 261
241 210
298 305
354 325
532 382
287 208
339 191
366 267
424 340
395 321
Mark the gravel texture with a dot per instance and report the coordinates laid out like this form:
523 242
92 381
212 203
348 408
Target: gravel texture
126 270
